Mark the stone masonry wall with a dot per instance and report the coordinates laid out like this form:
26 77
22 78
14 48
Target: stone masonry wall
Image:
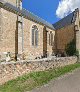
30 51
49 47
9 36
77 22
64 36
8 25
11 70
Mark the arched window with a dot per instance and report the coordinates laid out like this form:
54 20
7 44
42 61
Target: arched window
51 39
34 35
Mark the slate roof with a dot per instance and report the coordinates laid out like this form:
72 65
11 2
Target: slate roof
66 20
25 13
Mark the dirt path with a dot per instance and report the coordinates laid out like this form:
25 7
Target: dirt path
67 83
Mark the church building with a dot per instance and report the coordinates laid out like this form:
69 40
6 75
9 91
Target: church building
67 30
23 34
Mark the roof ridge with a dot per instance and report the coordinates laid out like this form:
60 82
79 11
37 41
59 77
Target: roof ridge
67 20
77 9
63 18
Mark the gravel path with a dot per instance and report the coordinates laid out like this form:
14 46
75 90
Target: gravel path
67 83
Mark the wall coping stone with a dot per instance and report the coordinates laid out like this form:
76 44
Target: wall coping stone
38 60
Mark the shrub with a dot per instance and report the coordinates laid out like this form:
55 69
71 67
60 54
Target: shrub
71 48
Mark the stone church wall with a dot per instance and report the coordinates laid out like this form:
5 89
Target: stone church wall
9 34
64 36
29 50
35 51
8 31
50 48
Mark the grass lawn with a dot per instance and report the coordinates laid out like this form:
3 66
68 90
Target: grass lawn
35 79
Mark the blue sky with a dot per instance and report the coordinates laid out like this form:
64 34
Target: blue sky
45 9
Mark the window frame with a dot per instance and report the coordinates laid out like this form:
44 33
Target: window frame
34 37
51 39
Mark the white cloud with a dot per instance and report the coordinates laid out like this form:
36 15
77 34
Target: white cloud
67 6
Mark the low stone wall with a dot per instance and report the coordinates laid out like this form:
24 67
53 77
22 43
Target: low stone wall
11 70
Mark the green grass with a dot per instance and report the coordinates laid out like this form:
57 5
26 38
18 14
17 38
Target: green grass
35 79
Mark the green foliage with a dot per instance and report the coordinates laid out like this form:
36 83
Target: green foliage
29 81
71 48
